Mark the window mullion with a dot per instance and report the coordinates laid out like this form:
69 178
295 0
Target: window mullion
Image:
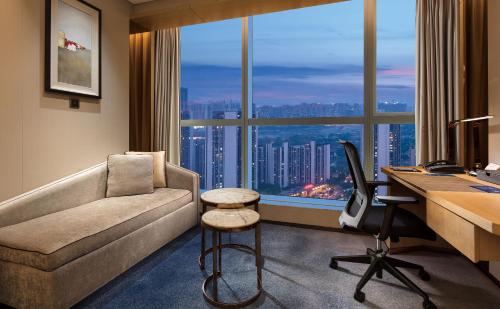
245 156
370 68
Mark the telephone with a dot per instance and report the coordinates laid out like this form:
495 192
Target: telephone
443 167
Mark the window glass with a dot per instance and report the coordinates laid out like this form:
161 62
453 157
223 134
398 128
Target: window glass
394 146
309 62
211 70
396 55
303 161
214 152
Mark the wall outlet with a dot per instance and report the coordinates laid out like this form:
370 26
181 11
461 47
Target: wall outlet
74 103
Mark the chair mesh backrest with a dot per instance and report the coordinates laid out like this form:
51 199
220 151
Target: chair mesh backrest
360 200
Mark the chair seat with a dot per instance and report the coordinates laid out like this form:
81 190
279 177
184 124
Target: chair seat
405 224
53 240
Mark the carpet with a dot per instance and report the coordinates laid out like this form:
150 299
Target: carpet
295 275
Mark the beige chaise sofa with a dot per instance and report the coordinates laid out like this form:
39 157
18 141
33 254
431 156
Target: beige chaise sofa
63 241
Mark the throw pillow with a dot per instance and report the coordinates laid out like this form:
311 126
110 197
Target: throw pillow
159 174
129 175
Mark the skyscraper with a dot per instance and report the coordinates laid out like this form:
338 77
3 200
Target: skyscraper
186 133
322 163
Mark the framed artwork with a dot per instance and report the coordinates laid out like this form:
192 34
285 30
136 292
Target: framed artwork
73 48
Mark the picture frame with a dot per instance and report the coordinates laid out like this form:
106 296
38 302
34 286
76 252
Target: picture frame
73 48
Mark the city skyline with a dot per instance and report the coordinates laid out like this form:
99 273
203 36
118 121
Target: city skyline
294 161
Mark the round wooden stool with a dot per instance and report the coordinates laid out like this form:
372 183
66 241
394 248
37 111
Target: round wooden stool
231 220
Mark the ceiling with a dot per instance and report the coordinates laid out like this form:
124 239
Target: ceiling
139 1
151 15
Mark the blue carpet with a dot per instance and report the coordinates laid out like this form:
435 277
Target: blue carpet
296 275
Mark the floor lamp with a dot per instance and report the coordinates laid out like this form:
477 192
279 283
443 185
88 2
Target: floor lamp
475 135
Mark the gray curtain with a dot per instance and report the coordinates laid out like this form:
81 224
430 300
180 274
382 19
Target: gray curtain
436 102
166 94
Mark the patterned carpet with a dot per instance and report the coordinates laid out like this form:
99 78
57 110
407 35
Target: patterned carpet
295 275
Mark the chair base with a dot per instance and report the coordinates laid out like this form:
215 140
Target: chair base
379 261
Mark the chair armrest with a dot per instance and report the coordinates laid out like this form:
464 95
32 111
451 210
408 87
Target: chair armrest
181 178
377 183
391 207
396 200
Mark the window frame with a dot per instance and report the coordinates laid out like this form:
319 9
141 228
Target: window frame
370 118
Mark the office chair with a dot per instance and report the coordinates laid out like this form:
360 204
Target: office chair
381 222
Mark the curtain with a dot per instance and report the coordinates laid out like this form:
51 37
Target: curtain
476 84
140 92
436 102
166 94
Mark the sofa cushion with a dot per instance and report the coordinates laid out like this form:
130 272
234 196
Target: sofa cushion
53 240
159 178
129 175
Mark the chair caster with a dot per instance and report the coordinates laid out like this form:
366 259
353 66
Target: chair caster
379 274
427 304
359 296
334 264
424 275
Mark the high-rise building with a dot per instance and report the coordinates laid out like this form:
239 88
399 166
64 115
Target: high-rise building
281 165
254 159
297 165
186 133
184 100
199 164
322 163
269 164
387 149
222 154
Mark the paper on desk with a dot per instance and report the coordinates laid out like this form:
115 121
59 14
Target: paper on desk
492 167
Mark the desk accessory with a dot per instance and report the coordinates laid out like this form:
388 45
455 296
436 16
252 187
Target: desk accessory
488 189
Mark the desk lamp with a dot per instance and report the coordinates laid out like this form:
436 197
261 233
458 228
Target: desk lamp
475 135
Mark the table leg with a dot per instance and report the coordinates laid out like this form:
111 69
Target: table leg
220 252
202 252
202 249
214 264
258 259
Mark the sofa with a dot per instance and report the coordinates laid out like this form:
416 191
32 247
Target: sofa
63 241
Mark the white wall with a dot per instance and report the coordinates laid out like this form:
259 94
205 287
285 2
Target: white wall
41 139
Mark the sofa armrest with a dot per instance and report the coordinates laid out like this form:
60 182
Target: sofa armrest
181 178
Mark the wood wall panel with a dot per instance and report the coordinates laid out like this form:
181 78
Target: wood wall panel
494 93
173 13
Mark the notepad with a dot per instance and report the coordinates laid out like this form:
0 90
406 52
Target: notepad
405 169
488 189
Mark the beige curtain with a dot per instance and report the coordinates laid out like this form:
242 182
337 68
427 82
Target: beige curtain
166 94
476 84
436 102
140 92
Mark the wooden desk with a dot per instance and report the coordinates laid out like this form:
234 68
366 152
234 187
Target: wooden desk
467 218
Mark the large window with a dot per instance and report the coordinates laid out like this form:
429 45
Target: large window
266 99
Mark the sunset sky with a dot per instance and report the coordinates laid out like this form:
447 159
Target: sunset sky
307 55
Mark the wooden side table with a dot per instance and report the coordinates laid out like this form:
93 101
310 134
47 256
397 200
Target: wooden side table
231 220
226 198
